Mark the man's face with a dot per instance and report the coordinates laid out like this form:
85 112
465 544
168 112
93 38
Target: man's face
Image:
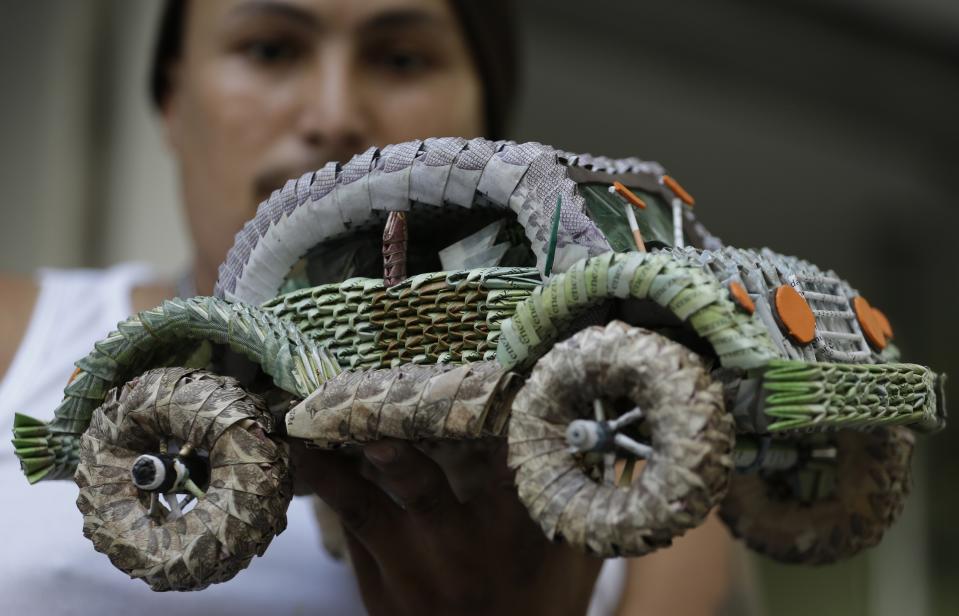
269 89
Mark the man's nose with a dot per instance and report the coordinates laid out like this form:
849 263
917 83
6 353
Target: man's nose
333 114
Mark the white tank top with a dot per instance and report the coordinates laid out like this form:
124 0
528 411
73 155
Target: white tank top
49 567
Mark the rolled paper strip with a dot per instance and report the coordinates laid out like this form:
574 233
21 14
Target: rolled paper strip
634 227
677 224
33 466
676 283
413 401
335 201
828 396
43 454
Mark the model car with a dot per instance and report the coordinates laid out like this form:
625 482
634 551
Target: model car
642 372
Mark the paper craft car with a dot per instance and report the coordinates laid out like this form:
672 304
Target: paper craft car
642 372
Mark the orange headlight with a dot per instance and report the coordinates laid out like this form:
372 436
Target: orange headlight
795 314
739 295
884 325
871 325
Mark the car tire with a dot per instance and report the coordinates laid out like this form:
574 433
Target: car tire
872 481
245 500
690 434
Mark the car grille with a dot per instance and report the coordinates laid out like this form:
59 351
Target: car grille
838 335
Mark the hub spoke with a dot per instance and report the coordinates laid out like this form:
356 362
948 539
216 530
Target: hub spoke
626 419
609 468
174 503
638 449
599 410
194 489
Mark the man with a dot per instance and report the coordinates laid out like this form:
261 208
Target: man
253 92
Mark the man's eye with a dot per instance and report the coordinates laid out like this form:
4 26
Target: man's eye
402 62
272 52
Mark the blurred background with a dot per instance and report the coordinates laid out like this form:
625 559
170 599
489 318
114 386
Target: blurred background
822 128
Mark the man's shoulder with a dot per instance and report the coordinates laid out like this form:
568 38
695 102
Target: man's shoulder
18 295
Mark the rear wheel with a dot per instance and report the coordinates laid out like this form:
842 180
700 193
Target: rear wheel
180 483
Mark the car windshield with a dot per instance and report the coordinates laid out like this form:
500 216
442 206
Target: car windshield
608 212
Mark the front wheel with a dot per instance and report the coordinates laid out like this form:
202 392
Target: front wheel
870 481
620 392
200 443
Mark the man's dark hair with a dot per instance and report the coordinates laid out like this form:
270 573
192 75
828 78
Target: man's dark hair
489 25
169 47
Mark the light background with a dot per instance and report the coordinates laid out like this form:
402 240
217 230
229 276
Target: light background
822 128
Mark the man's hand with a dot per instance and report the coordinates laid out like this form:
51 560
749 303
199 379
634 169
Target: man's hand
440 530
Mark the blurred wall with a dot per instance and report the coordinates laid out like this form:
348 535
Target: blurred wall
138 189
84 176
823 128
44 132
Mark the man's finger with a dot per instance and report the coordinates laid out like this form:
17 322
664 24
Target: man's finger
334 477
472 468
410 478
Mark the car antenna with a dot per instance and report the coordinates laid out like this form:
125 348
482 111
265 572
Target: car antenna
553 234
